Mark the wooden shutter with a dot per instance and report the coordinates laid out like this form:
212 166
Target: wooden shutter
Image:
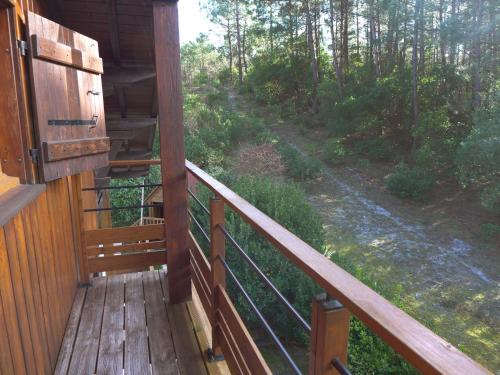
68 107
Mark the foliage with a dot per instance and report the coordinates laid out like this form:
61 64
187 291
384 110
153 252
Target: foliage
409 182
335 151
299 167
478 158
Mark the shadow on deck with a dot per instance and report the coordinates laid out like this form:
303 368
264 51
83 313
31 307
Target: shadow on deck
124 324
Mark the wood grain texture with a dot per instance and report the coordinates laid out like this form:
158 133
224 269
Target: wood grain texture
76 148
126 261
62 92
329 336
125 234
242 341
50 50
70 333
128 248
84 358
110 357
171 126
136 339
161 347
420 346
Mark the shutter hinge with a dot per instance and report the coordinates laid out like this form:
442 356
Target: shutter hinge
35 155
23 47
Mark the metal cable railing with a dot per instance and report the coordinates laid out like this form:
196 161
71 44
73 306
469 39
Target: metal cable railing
268 282
197 200
340 367
120 187
262 320
159 205
199 226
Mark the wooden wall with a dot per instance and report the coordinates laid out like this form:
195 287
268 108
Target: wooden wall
38 278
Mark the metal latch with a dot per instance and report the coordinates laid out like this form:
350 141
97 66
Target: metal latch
23 47
35 155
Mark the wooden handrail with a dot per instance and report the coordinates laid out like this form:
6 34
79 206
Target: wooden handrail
421 347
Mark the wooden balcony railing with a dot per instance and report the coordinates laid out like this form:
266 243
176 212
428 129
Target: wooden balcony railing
422 348
344 295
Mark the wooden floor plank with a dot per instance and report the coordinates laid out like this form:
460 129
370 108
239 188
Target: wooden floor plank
136 340
161 347
84 356
186 346
66 350
110 358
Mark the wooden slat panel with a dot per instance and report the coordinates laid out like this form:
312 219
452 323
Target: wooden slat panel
125 234
46 49
201 260
163 360
136 340
15 199
29 269
233 344
19 297
6 363
242 337
128 248
76 148
9 306
124 262
110 358
84 356
228 351
66 351
206 298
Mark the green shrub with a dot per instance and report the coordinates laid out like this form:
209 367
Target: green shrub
407 182
335 151
489 230
299 167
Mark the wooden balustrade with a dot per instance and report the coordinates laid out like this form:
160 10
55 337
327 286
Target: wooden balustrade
422 348
125 248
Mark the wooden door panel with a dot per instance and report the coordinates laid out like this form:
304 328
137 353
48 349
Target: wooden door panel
68 105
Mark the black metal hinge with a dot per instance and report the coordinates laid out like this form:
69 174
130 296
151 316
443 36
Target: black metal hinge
23 47
35 155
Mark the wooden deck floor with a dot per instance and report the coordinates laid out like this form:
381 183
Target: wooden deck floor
123 324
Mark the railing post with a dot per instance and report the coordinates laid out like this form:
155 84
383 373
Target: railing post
329 335
218 276
79 229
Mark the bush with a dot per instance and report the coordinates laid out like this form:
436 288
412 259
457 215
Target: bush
298 166
335 151
407 182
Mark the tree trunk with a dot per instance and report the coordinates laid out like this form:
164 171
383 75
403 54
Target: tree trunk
230 46
422 37
416 114
314 63
238 42
453 44
476 55
441 36
335 61
244 46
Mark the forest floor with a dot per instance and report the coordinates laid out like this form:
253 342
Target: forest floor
449 276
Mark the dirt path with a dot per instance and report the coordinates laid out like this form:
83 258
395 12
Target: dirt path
447 283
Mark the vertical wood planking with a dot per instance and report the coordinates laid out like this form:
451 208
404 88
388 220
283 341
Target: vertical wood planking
13 331
19 297
110 359
171 125
136 340
6 364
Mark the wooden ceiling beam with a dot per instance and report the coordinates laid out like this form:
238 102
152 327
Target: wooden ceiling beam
114 33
